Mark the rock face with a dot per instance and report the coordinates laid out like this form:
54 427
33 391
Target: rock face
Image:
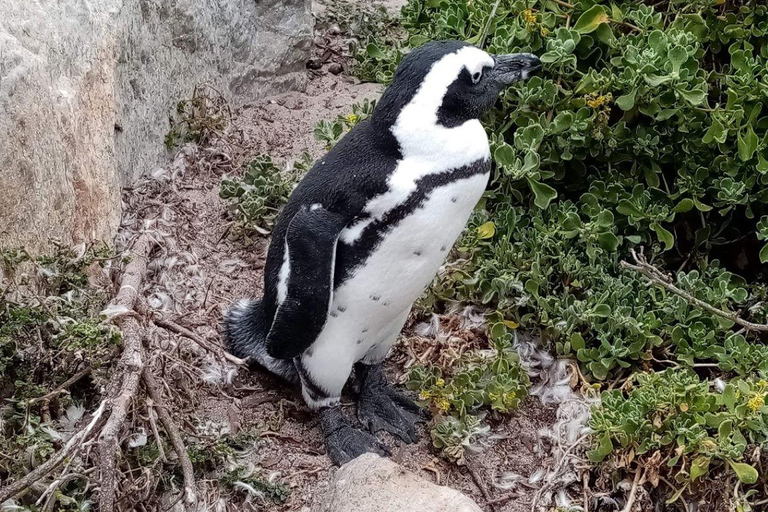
374 484
86 87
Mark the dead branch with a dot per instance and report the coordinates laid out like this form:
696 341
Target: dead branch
659 278
39 472
65 385
126 383
632 493
155 393
480 485
178 329
153 423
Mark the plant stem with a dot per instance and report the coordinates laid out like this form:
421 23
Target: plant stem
563 4
658 278
632 493
488 24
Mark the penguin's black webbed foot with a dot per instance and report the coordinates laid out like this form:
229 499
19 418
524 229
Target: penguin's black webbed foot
343 442
381 407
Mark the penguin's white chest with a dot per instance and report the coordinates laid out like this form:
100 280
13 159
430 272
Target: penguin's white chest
371 306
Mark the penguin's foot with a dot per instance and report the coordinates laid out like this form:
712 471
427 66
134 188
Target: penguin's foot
381 407
343 442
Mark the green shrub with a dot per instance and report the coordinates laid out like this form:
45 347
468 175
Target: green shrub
329 132
477 382
671 420
257 196
645 128
50 330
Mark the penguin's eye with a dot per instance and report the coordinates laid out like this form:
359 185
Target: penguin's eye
476 77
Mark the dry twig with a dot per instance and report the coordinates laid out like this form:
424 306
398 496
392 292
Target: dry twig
659 278
126 384
178 329
480 485
632 493
39 472
65 385
154 392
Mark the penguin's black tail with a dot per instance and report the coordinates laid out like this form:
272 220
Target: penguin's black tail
245 334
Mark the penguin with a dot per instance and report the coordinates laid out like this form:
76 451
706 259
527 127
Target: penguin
364 233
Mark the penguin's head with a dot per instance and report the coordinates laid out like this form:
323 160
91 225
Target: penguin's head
452 81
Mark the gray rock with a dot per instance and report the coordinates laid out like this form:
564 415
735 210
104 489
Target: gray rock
374 484
86 87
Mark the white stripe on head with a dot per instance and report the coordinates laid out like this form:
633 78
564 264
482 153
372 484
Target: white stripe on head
283 275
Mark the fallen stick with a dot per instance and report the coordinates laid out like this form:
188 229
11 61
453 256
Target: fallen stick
178 329
65 385
126 382
154 392
657 277
632 493
480 485
40 471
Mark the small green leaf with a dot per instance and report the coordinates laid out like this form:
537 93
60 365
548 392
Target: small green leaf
715 133
701 206
694 96
417 40
544 194
608 241
746 473
729 397
725 429
486 231
630 210
685 205
602 310
764 254
374 51
591 19
498 331
505 155
747 143
627 101
577 341
667 238
677 56
603 449
699 467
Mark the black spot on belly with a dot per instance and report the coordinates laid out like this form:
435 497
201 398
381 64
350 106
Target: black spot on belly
334 314
375 298
442 249
417 253
365 330
341 308
385 303
454 199
359 341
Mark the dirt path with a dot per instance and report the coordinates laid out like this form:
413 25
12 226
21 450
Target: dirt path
200 270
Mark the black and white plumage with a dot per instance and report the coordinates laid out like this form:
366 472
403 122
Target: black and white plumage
366 230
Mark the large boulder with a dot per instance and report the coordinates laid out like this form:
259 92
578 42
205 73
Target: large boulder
374 484
86 88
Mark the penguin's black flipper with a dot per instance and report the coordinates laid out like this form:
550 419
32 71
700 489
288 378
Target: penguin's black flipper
311 253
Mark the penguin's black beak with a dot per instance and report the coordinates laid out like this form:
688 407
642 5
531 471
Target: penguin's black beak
514 67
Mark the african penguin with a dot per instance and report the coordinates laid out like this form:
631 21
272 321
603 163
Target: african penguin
364 233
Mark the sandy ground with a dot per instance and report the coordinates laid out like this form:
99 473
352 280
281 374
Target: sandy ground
200 269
